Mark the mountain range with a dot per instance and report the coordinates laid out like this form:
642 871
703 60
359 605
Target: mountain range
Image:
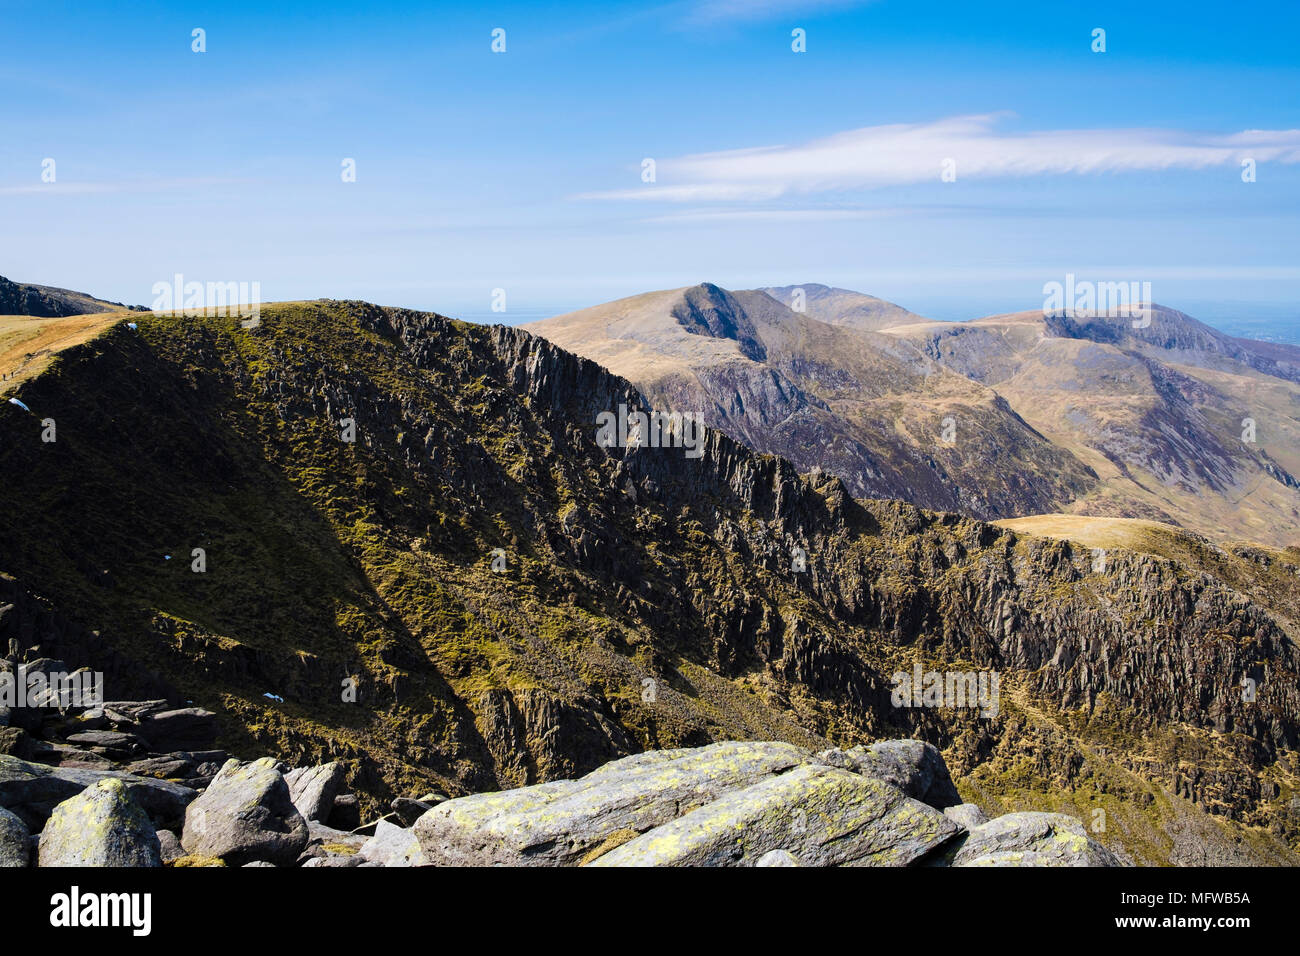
1002 417
392 539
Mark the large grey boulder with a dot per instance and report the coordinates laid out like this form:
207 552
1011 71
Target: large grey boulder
14 841
32 790
915 767
393 846
1032 839
823 816
246 815
313 789
101 826
558 823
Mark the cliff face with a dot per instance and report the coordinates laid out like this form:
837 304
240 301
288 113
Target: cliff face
474 592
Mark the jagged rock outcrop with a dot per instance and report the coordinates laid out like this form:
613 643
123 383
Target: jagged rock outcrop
699 808
733 803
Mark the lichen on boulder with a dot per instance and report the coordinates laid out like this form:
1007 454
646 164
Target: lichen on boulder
246 815
101 826
1032 839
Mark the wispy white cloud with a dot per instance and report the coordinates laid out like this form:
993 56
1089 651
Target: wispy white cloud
916 152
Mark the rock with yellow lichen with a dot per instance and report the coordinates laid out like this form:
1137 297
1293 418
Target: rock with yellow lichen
751 804
1032 839
558 823
101 826
244 816
823 816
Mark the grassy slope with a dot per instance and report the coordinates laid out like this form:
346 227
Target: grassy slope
27 344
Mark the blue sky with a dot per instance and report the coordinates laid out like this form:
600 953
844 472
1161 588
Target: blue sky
522 170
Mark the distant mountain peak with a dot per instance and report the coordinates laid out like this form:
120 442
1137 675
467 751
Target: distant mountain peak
41 301
707 309
843 307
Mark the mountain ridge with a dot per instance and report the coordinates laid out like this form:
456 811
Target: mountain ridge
50 302
1165 418
861 404
328 560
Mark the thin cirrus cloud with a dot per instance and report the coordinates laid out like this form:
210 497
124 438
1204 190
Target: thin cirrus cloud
898 154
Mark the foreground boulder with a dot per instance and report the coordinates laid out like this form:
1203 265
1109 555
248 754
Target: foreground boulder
558 823
32 790
821 816
313 789
246 815
101 826
14 841
1032 839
